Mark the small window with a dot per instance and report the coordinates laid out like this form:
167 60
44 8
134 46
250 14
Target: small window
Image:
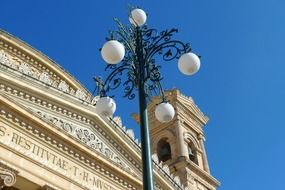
163 150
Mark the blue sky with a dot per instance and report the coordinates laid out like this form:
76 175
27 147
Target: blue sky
240 85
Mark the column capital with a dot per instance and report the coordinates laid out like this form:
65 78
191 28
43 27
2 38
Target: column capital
7 176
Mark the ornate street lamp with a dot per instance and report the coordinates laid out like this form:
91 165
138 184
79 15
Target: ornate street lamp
131 50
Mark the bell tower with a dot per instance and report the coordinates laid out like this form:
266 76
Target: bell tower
180 143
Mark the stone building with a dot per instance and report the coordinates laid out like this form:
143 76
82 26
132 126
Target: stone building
52 138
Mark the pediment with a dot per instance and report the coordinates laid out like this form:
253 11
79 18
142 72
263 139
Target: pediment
88 134
188 107
80 154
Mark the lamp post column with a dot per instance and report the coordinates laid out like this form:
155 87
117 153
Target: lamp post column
142 74
144 128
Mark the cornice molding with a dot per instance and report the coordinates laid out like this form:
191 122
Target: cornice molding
202 176
36 59
193 108
42 76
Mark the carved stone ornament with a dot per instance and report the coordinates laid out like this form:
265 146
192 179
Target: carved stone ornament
94 100
166 169
130 133
118 120
155 158
86 136
63 86
7 176
15 63
25 68
4 58
177 180
190 178
44 77
81 95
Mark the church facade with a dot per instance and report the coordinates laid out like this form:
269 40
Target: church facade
51 137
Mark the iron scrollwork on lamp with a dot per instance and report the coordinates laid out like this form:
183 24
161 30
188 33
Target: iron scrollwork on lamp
131 53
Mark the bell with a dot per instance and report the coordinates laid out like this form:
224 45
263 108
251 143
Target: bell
164 154
191 155
164 151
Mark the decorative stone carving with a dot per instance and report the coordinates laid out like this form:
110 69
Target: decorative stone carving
88 98
137 141
25 68
63 86
72 152
81 95
86 136
155 158
131 133
190 178
44 77
61 124
166 169
118 120
4 58
7 176
72 92
177 180
95 99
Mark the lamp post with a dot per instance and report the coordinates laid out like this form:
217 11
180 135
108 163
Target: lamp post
130 52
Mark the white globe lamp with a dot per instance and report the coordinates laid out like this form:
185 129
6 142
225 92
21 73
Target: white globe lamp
164 112
113 52
106 106
138 17
189 63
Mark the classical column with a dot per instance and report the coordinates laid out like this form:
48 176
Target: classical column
181 143
7 176
205 160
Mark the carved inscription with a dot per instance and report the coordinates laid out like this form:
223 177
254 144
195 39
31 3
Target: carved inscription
49 158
